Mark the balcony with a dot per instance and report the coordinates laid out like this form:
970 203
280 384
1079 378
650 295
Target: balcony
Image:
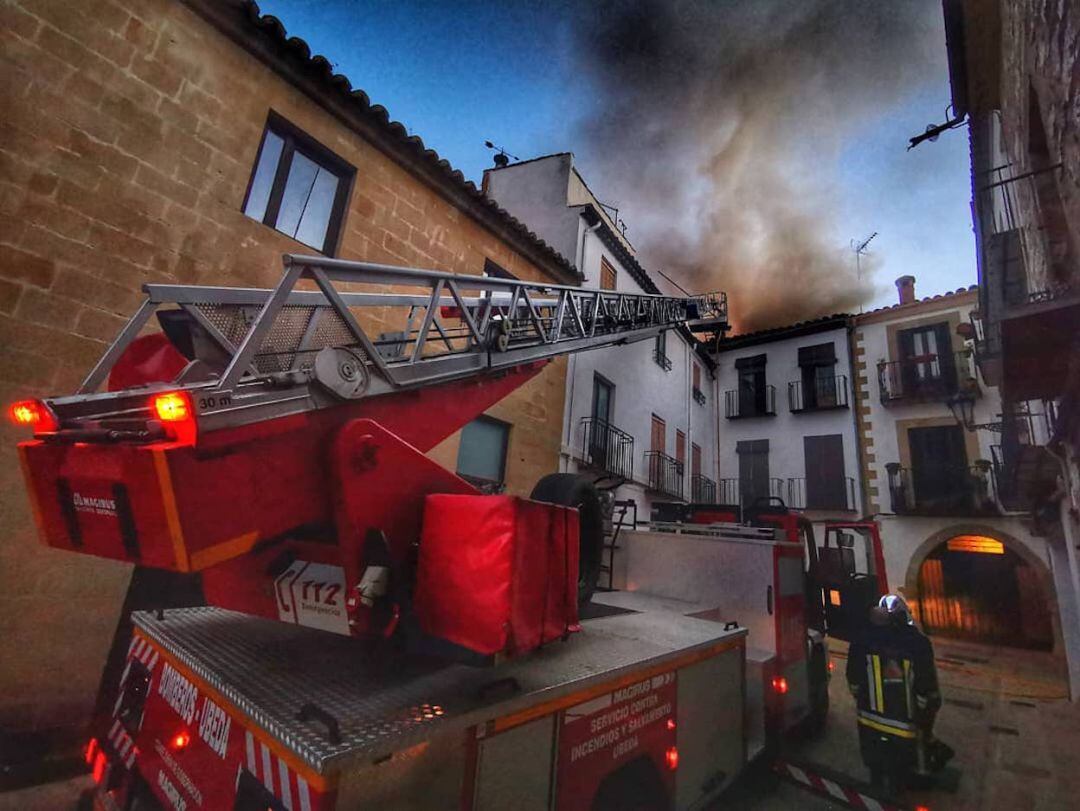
606 449
959 491
665 474
699 396
702 490
733 491
822 394
727 491
755 401
926 378
837 498
1023 467
661 359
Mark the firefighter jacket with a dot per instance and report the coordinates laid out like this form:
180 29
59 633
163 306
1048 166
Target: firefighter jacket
891 673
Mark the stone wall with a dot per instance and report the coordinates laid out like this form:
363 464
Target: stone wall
128 139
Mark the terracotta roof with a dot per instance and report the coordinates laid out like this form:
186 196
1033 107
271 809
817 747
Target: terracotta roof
940 297
808 327
240 17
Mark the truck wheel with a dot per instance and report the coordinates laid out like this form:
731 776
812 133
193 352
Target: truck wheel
637 786
819 691
571 490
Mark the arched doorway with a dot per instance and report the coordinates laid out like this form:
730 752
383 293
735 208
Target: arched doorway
976 588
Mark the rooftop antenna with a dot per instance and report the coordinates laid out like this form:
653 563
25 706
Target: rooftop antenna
860 248
502 157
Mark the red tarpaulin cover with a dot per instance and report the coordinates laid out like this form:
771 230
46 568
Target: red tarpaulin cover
497 574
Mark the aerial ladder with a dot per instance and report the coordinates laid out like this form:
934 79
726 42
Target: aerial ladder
273 440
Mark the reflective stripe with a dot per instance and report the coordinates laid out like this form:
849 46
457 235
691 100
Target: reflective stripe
908 681
250 741
268 774
286 795
877 684
302 793
870 681
888 725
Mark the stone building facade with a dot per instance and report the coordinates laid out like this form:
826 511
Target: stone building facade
1013 68
128 154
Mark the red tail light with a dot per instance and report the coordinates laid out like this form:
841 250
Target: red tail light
671 757
671 723
91 749
32 413
99 766
832 666
779 685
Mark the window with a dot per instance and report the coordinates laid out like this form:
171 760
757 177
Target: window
482 453
658 435
298 186
695 459
660 352
752 391
826 485
754 484
603 395
818 366
926 361
607 275
680 447
699 395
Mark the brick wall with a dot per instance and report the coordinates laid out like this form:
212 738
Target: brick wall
129 135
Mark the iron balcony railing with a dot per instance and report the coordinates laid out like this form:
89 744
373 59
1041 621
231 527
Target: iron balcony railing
819 394
927 377
665 473
606 448
703 490
750 401
1023 467
943 490
727 491
699 396
661 359
833 498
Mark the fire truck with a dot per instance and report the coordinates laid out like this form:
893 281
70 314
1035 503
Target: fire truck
375 631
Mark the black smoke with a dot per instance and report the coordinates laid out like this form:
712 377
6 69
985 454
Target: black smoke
717 126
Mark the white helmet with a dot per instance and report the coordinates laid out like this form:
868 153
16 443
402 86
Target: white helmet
896 608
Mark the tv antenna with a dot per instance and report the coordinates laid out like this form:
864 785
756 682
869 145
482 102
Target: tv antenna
860 248
502 157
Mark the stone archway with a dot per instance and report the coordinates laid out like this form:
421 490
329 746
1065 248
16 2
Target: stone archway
1041 573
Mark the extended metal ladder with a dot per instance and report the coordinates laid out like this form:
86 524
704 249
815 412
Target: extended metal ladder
620 511
363 329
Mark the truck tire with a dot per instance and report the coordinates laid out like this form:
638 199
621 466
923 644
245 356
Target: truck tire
636 786
571 490
818 667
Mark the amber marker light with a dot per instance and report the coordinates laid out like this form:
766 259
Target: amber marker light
173 406
671 757
180 740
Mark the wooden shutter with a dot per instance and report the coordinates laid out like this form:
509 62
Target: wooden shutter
825 485
607 275
680 446
658 436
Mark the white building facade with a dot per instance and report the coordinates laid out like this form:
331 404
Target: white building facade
969 558
641 417
788 421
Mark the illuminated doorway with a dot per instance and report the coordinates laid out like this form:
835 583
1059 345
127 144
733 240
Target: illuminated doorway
973 587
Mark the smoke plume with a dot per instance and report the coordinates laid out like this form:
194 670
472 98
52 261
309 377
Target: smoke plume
718 126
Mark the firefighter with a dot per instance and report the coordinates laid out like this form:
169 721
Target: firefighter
891 674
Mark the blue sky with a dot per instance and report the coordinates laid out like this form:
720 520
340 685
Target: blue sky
457 74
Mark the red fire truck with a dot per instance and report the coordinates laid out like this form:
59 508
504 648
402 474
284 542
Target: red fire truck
273 441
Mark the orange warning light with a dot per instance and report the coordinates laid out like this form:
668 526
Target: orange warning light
180 740
91 749
671 757
173 406
32 413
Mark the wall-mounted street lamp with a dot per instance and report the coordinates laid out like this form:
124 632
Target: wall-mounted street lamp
962 406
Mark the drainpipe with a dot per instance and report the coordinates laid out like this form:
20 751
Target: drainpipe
688 451
860 456
571 364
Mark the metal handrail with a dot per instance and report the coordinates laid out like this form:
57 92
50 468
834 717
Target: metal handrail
750 401
971 491
661 359
702 489
607 448
926 377
727 491
818 395
798 499
665 473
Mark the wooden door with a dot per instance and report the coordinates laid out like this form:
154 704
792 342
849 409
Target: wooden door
826 487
